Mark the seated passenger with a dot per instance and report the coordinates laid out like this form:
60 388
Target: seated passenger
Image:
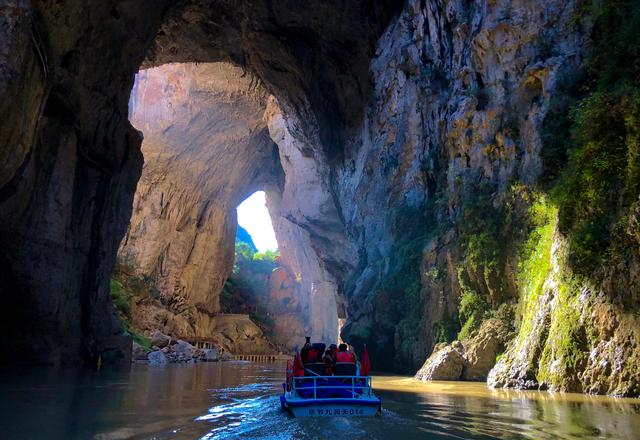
312 356
333 348
343 355
308 352
328 362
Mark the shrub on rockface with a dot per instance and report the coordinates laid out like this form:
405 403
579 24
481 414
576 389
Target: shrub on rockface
599 186
399 295
591 177
490 228
124 290
407 294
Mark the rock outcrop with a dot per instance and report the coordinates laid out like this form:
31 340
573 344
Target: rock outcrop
576 340
446 363
471 359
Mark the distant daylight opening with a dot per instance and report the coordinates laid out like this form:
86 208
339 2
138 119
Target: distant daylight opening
254 219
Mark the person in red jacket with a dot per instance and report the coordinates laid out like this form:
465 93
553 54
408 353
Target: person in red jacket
344 355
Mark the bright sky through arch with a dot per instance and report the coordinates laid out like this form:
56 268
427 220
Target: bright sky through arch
254 217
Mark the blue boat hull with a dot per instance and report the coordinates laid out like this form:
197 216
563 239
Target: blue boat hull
331 407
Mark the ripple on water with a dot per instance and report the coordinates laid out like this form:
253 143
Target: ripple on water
241 401
438 411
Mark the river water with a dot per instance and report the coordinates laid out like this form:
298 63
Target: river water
239 400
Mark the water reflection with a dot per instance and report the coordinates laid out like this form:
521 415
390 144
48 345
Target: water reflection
240 400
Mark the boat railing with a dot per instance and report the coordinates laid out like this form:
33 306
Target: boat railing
352 383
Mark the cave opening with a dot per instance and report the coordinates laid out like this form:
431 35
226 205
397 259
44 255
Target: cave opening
255 220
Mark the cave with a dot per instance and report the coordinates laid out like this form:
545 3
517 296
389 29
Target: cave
408 150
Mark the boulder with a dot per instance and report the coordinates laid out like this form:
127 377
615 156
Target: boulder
138 353
445 364
184 351
159 339
471 359
157 358
210 355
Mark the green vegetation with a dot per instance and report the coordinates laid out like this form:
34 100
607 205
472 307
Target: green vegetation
403 284
600 181
565 351
487 232
400 291
534 262
471 310
119 297
124 290
247 289
446 329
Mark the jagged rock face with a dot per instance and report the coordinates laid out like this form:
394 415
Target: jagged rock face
460 91
307 222
288 306
206 148
597 357
71 158
380 146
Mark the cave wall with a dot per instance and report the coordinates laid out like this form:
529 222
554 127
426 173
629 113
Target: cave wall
208 145
307 223
70 161
67 70
460 94
206 148
450 156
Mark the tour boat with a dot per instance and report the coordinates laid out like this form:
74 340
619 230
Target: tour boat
324 396
347 393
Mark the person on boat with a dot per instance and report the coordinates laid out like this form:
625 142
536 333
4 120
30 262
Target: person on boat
308 353
333 348
329 360
344 355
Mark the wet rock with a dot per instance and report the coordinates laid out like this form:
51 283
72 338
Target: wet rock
159 339
138 353
184 349
157 358
238 334
445 364
210 355
470 359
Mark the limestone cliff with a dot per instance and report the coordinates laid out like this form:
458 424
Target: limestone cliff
439 163
70 158
206 148
439 193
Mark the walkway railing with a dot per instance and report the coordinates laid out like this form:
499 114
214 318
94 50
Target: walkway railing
261 357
